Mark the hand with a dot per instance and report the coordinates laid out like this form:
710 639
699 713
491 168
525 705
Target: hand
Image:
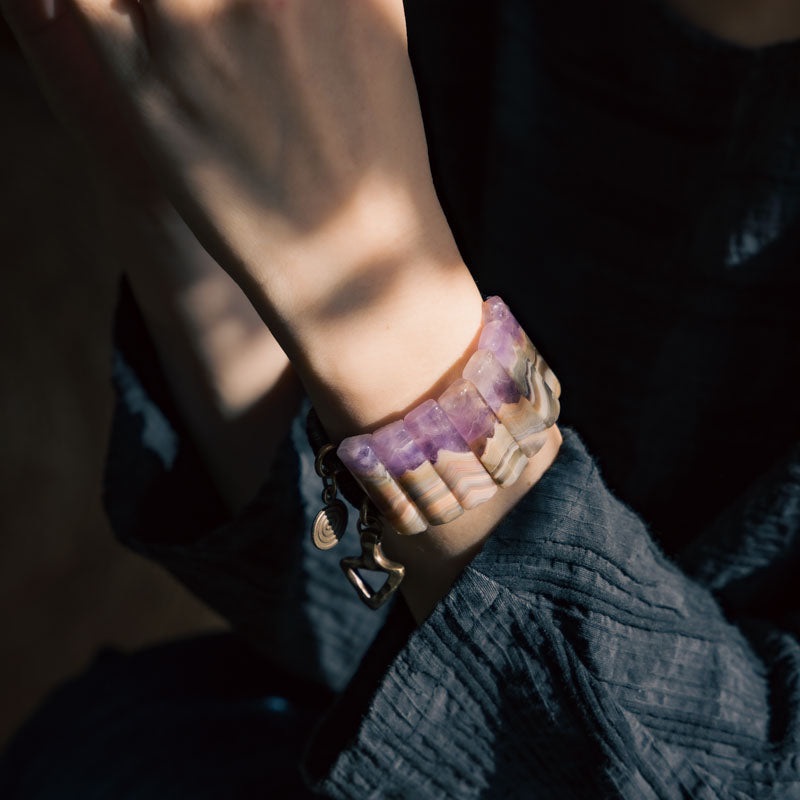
273 123
269 122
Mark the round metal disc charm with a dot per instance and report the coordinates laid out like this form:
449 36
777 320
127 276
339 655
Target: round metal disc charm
329 525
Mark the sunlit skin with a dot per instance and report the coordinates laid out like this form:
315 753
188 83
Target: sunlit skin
298 159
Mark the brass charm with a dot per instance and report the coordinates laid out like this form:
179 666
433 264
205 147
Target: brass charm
331 522
329 525
372 557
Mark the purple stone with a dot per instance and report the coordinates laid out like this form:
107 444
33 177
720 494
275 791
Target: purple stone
433 431
495 309
504 338
358 454
395 447
503 335
470 415
496 386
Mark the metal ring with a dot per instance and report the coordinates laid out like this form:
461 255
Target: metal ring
329 493
322 469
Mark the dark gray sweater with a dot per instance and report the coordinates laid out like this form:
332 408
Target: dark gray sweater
571 659
632 188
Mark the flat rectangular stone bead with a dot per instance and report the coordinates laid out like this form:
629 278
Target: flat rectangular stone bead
404 458
503 396
450 455
489 439
519 358
358 454
494 309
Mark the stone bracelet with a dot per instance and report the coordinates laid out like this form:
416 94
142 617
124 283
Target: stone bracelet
449 455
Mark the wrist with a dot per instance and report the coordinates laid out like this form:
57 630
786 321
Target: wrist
493 426
434 559
382 358
374 312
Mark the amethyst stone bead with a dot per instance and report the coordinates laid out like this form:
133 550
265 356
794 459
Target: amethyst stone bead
450 455
504 398
405 460
358 454
489 439
507 336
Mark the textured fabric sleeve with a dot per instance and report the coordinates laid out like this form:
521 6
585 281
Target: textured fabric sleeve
749 558
571 659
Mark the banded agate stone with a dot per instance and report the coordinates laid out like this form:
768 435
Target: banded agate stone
450 455
504 336
358 454
408 464
503 396
483 432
